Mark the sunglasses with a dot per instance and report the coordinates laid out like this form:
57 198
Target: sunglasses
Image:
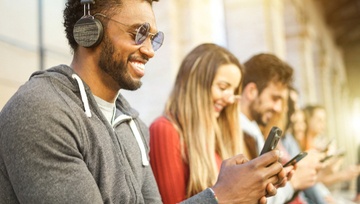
142 32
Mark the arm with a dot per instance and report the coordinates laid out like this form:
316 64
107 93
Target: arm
165 158
349 173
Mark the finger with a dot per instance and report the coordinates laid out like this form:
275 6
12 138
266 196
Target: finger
277 181
235 160
279 174
270 190
282 183
288 169
263 200
290 175
275 169
268 158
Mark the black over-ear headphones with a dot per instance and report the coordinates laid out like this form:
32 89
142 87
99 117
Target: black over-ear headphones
88 31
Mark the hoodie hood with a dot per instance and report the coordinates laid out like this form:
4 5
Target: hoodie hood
66 76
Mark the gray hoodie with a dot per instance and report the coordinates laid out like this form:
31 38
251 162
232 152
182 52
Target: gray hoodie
56 146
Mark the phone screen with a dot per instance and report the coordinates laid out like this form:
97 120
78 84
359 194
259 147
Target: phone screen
296 159
337 154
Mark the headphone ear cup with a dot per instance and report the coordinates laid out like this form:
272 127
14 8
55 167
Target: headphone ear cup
88 32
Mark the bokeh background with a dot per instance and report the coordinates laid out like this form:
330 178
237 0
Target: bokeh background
320 39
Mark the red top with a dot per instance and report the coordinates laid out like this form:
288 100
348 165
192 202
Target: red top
171 172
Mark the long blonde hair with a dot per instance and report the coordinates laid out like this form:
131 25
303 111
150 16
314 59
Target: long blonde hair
189 108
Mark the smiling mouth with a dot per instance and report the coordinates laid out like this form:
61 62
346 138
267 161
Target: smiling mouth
138 65
218 107
139 68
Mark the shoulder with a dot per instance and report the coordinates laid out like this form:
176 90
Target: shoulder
40 107
161 122
162 128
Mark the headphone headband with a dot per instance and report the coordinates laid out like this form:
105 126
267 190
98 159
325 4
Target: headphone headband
87 1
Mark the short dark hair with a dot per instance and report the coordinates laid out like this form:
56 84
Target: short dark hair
264 68
74 10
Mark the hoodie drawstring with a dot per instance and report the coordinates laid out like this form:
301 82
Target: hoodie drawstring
134 129
83 95
145 161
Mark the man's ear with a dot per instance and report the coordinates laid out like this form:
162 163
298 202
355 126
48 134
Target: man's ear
250 91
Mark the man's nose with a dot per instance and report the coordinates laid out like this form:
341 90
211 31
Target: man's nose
147 49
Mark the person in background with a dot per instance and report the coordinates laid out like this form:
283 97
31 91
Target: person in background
265 90
295 124
294 131
200 128
331 173
315 137
315 118
69 136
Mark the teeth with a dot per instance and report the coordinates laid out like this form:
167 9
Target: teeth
218 106
138 65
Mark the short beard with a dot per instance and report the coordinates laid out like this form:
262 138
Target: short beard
255 114
116 69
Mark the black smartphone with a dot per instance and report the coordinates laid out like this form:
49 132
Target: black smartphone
327 145
296 159
272 140
337 154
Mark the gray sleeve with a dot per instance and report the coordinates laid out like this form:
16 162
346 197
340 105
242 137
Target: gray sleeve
204 197
42 160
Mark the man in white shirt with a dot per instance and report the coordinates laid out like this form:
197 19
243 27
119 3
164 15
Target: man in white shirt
265 89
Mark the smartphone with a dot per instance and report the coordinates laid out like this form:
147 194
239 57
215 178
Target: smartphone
327 145
272 140
296 159
337 154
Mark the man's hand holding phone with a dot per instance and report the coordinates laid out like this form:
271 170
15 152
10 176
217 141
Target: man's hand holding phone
243 181
252 180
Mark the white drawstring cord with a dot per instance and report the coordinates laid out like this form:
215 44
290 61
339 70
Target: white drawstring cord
83 95
134 129
132 124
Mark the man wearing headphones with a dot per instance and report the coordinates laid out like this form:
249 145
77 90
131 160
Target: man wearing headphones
69 136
